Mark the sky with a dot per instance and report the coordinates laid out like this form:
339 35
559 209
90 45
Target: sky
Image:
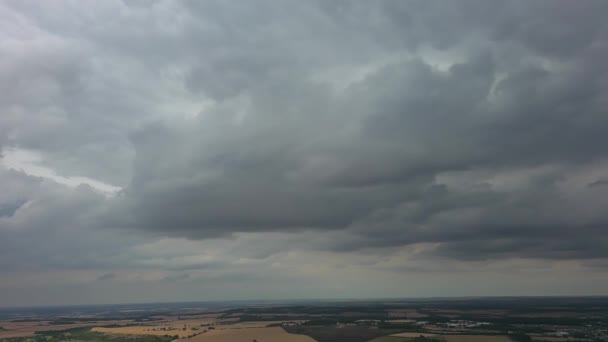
210 150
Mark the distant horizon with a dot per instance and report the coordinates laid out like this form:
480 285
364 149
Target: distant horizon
292 300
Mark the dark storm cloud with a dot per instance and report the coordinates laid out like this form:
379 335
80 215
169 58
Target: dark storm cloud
444 122
471 125
53 227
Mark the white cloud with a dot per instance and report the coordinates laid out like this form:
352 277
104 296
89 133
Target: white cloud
30 163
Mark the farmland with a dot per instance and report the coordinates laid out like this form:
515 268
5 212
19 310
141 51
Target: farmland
12 329
271 334
186 328
447 320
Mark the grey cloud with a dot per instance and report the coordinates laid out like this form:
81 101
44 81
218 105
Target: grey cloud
222 118
406 141
304 158
55 227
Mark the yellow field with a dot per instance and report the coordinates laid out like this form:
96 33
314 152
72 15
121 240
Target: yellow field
192 327
182 328
273 334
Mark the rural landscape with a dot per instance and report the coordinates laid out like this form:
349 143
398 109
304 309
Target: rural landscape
303 171
499 319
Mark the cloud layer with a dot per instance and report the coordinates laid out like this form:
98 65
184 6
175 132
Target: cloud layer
390 137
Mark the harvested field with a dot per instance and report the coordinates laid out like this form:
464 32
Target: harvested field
273 334
184 328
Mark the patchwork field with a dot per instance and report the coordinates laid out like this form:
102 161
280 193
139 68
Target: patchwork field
453 320
187 328
181 328
23 329
273 334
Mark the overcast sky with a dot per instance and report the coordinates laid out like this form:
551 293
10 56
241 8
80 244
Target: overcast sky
209 150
